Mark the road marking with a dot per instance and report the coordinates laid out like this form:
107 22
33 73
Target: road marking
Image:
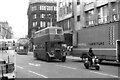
34 64
38 74
90 71
19 67
67 67
104 74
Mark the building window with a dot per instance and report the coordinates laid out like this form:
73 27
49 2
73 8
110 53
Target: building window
114 11
103 14
40 23
100 17
43 7
48 24
90 17
34 24
39 27
78 2
42 15
43 24
48 8
33 8
40 7
55 8
78 18
34 16
48 15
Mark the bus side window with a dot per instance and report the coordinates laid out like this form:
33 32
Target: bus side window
35 47
46 44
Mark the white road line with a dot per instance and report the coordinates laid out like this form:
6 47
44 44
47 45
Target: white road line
104 74
90 71
67 67
38 74
19 67
34 64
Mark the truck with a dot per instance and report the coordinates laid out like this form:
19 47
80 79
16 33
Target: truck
103 39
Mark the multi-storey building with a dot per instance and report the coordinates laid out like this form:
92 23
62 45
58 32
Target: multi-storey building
96 25
41 14
65 18
5 31
94 14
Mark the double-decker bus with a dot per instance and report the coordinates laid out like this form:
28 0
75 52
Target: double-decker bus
103 39
49 44
22 46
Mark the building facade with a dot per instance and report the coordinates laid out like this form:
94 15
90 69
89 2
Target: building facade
5 31
90 16
41 14
65 18
97 26
85 15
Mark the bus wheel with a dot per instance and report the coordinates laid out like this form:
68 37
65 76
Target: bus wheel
36 56
64 59
48 59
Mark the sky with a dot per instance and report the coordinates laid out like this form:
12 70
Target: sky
15 13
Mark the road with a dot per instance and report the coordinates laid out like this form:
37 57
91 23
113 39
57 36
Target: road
28 67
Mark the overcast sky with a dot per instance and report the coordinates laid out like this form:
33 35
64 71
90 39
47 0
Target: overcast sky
15 12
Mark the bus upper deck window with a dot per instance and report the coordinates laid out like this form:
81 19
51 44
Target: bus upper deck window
59 31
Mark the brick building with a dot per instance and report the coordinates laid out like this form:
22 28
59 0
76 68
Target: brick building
5 31
41 14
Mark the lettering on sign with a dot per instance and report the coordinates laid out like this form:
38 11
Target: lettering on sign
97 43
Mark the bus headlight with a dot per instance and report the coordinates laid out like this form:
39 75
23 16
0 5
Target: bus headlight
97 60
86 59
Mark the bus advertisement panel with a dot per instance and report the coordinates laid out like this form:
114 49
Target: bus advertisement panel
103 39
49 44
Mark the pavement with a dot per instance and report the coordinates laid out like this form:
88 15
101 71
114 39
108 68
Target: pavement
68 56
78 58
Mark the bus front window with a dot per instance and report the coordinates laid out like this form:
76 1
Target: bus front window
59 31
55 45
